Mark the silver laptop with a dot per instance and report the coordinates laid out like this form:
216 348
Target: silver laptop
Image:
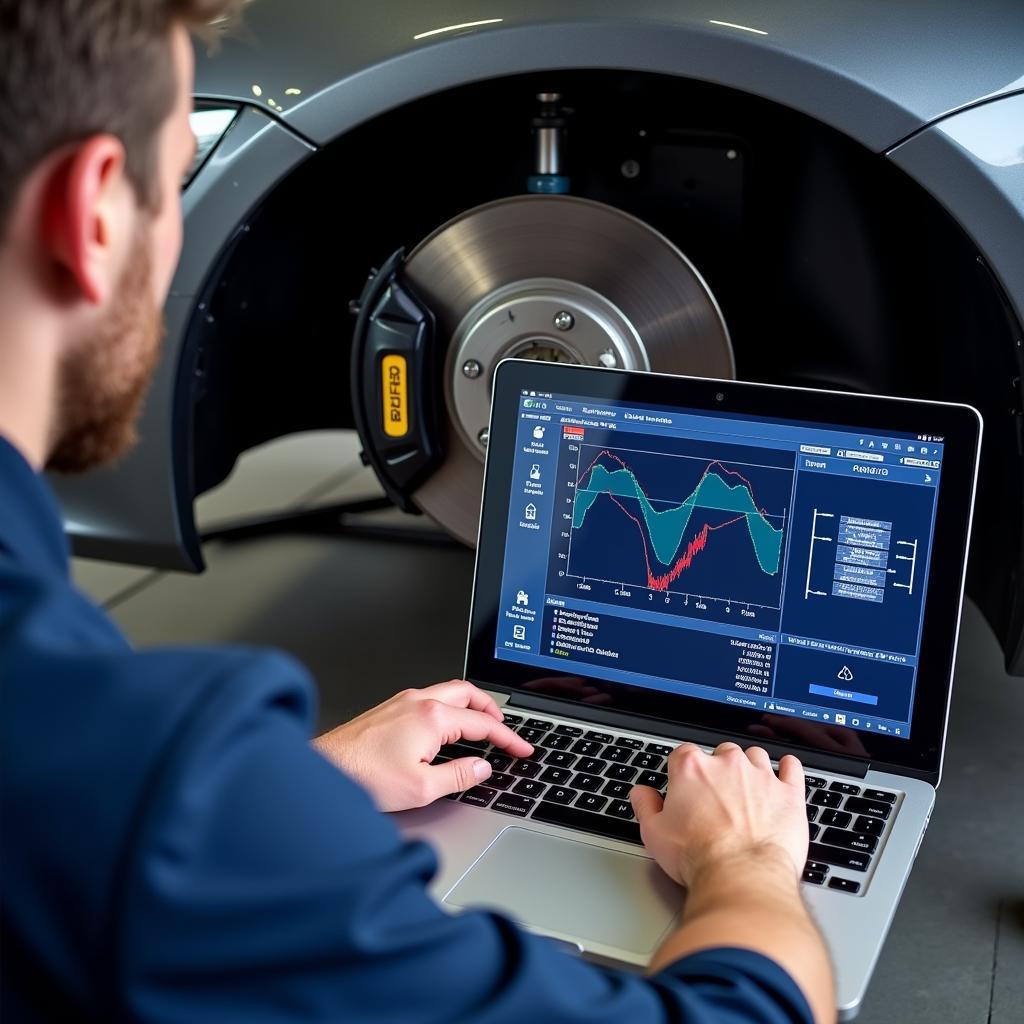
665 558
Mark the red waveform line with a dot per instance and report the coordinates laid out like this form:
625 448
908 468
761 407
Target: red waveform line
663 581
707 469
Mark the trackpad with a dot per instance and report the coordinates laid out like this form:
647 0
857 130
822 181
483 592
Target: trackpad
573 889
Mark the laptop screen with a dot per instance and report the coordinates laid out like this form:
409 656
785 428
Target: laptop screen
777 566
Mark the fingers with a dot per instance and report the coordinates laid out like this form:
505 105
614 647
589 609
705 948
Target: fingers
681 754
454 776
646 803
759 758
791 771
728 749
477 725
462 694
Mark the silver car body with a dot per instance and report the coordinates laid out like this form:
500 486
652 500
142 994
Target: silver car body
937 87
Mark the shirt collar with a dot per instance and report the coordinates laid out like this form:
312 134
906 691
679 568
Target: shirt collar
31 527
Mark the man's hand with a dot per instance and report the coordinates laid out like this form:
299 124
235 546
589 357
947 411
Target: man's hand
389 748
736 837
722 805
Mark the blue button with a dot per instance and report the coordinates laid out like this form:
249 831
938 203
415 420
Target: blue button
834 691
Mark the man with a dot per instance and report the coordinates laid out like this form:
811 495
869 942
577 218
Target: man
174 849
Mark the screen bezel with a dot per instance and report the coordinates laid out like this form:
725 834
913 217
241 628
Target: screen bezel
960 425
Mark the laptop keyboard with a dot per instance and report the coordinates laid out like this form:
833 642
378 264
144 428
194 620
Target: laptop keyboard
581 778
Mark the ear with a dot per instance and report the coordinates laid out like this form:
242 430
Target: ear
88 206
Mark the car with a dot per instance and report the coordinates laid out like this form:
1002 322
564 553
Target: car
388 199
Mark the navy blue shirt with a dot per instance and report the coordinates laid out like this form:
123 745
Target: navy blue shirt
174 850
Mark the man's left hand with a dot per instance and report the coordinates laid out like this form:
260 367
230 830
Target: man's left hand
388 749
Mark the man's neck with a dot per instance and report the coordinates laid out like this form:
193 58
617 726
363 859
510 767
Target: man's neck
28 375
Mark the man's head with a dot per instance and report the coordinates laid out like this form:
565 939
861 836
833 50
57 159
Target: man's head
95 97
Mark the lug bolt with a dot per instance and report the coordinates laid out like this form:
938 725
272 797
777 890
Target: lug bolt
564 320
483 436
607 358
471 369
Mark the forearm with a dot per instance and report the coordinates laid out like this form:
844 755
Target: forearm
753 902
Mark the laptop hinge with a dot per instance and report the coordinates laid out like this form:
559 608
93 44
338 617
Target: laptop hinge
835 764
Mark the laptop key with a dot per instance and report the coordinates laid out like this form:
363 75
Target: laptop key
592 766
813 865
591 802
598 824
814 877
873 808
588 747
569 730
871 826
529 787
650 761
560 759
620 773
851 840
812 812
453 750
499 762
588 783
530 734
555 742
814 782
823 798
880 795
474 744
659 748
844 884
618 754
840 858
525 769
479 796
539 723
620 809
845 787
509 803
561 795
512 719
556 775
838 818
812 831
619 790
600 737
656 780
498 780
628 741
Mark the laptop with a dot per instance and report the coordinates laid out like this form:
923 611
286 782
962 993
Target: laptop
666 558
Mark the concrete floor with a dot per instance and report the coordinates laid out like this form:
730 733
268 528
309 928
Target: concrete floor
370 617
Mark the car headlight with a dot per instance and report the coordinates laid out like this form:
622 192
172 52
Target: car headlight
209 125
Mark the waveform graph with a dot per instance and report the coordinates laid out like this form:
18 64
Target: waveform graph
698 527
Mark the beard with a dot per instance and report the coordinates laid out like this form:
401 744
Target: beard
103 380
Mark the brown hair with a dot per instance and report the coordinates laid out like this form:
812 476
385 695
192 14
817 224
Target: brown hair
74 68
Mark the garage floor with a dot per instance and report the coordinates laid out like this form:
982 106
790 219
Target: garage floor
956 950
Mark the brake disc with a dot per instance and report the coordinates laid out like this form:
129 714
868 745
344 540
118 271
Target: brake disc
554 278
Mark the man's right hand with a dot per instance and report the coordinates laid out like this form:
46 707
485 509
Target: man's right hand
720 806
736 837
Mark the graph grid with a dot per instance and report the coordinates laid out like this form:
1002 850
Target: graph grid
676 532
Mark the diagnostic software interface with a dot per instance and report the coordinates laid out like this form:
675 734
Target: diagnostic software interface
777 566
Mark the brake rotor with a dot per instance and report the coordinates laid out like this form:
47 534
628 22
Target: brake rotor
555 278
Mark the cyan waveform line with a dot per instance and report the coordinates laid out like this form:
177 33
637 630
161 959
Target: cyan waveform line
667 528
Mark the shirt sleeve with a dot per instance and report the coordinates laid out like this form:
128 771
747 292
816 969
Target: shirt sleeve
264 887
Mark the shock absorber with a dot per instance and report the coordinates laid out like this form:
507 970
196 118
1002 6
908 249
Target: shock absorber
549 132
